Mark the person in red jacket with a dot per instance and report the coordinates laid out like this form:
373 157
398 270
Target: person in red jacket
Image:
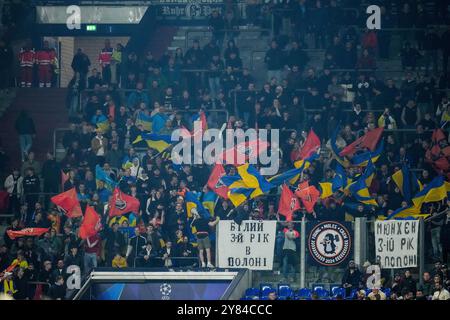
45 59
26 62
105 61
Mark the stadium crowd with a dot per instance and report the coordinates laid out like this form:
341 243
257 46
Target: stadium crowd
132 87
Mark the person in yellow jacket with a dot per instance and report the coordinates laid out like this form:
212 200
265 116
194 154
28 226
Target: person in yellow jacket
119 261
386 121
20 261
8 285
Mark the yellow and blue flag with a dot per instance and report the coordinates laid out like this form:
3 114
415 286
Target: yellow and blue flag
359 188
291 175
339 181
144 120
101 122
209 199
409 212
436 190
362 159
407 182
160 142
127 162
192 202
246 184
335 149
101 175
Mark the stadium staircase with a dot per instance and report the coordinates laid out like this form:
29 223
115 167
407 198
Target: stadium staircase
46 106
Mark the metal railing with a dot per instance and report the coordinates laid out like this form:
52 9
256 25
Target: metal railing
207 34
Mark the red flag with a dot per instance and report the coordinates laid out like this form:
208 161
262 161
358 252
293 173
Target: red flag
439 152
68 203
369 141
312 144
288 203
214 182
91 223
309 197
250 150
122 203
27 232
64 178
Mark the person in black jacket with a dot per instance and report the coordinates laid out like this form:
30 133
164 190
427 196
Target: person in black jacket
275 62
20 285
51 173
25 128
217 24
80 64
31 189
115 242
135 245
147 256
58 289
6 62
351 278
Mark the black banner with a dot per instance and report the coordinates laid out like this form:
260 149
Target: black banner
329 243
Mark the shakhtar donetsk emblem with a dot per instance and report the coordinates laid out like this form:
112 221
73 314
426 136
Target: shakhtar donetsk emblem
329 243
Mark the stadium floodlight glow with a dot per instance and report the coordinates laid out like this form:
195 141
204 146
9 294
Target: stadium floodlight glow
91 27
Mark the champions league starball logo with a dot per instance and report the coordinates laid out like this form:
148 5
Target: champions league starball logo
329 243
166 290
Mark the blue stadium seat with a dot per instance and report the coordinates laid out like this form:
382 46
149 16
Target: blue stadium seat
252 292
333 290
285 291
338 291
387 292
322 293
318 287
352 295
263 286
266 290
303 293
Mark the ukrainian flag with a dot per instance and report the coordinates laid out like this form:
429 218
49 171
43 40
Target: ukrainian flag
291 175
436 190
247 184
338 182
360 191
192 202
335 150
209 201
407 213
101 122
362 159
144 120
160 142
126 162
101 175
407 182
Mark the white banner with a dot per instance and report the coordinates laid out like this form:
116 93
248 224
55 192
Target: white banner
249 245
396 243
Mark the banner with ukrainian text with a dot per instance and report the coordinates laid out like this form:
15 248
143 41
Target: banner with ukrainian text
396 243
249 245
